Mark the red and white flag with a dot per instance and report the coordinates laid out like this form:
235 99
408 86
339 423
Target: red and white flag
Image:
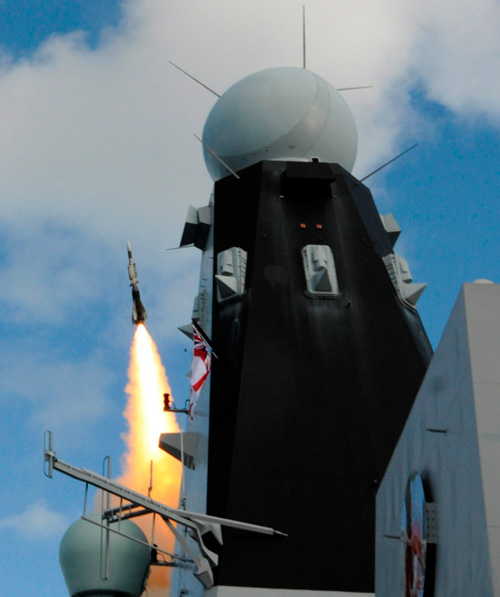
200 368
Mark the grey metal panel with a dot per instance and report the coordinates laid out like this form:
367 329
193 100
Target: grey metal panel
183 446
189 232
483 322
483 305
392 227
460 468
196 480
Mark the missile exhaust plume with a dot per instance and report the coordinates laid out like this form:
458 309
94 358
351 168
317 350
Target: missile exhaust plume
146 421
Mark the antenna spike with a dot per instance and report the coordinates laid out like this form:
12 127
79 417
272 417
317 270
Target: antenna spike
389 162
150 488
208 148
194 79
304 35
351 88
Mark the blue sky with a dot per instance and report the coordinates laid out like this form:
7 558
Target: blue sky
97 148
24 25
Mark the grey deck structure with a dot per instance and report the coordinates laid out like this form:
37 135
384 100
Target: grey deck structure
452 439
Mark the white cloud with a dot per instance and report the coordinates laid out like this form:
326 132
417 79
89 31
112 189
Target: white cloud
96 146
62 394
38 521
459 54
101 140
49 271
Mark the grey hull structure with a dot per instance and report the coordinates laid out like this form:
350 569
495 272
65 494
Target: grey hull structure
452 440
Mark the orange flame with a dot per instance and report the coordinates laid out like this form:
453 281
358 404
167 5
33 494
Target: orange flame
146 421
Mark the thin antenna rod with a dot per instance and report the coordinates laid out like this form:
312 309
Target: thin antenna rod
194 79
217 157
150 488
304 35
351 88
389 162
183 485
183 247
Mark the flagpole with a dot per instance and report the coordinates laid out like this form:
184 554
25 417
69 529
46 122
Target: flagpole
183 484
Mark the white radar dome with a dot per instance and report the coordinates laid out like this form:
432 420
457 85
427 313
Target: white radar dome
82 559
281 113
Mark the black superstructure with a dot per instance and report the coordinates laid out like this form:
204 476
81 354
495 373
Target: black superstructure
311 392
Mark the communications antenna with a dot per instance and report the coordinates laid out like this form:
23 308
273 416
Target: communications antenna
304 35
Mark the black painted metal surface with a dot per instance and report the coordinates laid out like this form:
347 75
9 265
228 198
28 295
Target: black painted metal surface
310 395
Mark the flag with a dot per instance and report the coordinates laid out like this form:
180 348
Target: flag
200 368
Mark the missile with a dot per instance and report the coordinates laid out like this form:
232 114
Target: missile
139 314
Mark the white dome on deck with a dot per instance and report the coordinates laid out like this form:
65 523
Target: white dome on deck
282 113
81 556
